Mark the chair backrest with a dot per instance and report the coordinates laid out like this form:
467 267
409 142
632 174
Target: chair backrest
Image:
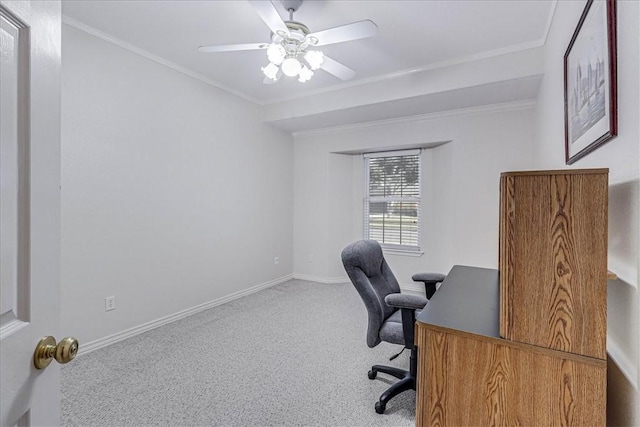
374 280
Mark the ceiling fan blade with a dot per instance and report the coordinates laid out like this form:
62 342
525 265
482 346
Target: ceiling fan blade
233 47
345 33
337 69
269 15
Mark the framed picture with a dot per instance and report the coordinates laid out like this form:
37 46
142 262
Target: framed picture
590 110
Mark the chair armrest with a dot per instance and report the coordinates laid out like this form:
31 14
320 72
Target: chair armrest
414 302
429 280
428 277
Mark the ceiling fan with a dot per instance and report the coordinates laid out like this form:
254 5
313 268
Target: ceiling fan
292 48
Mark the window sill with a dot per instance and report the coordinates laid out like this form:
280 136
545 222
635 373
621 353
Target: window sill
402 252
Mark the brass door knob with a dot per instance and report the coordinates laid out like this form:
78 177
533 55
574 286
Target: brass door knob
47 349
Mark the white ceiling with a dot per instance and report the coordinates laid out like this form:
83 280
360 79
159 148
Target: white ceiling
413 35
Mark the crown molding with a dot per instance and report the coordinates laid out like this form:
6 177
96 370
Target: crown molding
552 14
153 57
483 109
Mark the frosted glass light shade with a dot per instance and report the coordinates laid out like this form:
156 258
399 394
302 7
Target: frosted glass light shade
276 53
314 58
305 74
291 67
270 70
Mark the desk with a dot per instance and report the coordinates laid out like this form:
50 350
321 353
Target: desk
468 300
469 375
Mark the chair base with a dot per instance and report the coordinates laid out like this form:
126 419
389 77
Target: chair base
407 381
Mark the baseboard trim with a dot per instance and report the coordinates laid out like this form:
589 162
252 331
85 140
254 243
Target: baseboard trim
136 330
320 279
627 367
414 288
128 333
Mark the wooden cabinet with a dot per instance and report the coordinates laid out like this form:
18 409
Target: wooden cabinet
525 345
553 259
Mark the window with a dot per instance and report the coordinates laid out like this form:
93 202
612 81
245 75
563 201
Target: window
392 199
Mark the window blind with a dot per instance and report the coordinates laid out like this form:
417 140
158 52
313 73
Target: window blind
392 199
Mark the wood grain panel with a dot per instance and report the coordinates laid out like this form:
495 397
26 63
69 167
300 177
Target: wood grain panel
596 171
554 262
465 379
506 251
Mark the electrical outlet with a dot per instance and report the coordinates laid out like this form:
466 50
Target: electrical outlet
109 303
276 260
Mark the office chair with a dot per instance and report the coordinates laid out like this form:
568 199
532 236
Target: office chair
391 314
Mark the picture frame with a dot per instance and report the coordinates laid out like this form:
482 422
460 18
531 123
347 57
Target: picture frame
590 81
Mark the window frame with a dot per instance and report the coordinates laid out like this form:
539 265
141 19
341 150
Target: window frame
415 250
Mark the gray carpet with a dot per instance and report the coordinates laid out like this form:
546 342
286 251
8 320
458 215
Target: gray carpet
293 354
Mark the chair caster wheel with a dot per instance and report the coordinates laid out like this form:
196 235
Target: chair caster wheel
372 374
379 408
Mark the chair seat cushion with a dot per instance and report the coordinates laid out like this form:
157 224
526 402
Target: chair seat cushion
391 330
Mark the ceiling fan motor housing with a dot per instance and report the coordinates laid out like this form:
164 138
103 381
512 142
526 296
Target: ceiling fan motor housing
291 5
296 40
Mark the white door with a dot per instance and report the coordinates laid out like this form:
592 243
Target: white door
30 40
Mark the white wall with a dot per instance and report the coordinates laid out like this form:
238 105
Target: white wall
173 192
460 179
622 156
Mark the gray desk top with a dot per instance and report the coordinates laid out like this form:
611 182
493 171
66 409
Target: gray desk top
468 300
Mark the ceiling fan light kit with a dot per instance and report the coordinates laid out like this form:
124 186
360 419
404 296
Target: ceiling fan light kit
314 58
276 53
291 67
289 53
271 71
